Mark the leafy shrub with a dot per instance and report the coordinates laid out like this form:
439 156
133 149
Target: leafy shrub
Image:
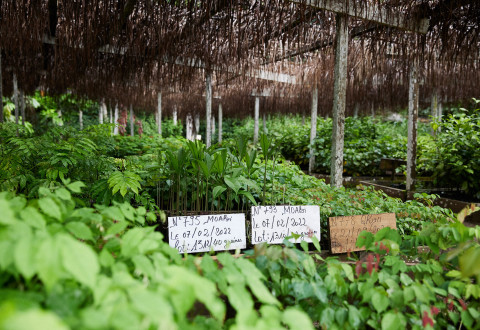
454 160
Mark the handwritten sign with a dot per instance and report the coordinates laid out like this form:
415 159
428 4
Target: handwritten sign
272 224
202 233
344 231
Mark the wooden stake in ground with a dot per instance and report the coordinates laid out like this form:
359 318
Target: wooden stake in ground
132 128
220 122
339 100
257 114
159 113
313 129
412 126
208 108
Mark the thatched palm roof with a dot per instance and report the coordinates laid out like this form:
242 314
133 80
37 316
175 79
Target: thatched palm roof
128 50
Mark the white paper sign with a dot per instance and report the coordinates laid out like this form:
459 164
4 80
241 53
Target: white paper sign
202 233
272 224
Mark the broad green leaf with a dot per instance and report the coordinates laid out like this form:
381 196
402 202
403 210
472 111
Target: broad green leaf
233 183
105 258
393 321
348 271
380 301
249 196
117 228
131 241
113 213
150 303
48 261
80 230
24 257
7 213
239 297
63 194
76 187
405 279
469 262
33 319
297 319
79 260
217 191
32 217
354 317
50 208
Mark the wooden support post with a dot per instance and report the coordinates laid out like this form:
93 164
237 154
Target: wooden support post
208 108
115 120
220 123
440 115
15 98
1 89
355 110
100 113
110 113
213 128
22 106
412 127
257 114
189 128
174 115
313 129
339 99
434 108
60 120
159 113
132 128
105 112
197 124
264 123
80 119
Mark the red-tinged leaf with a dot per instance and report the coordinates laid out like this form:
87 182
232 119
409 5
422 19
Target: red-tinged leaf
377 256
450 306
434 310
369 263
464 306
426 320
358 268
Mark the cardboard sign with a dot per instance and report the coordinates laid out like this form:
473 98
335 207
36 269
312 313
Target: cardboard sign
272 224
344 231
202 233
